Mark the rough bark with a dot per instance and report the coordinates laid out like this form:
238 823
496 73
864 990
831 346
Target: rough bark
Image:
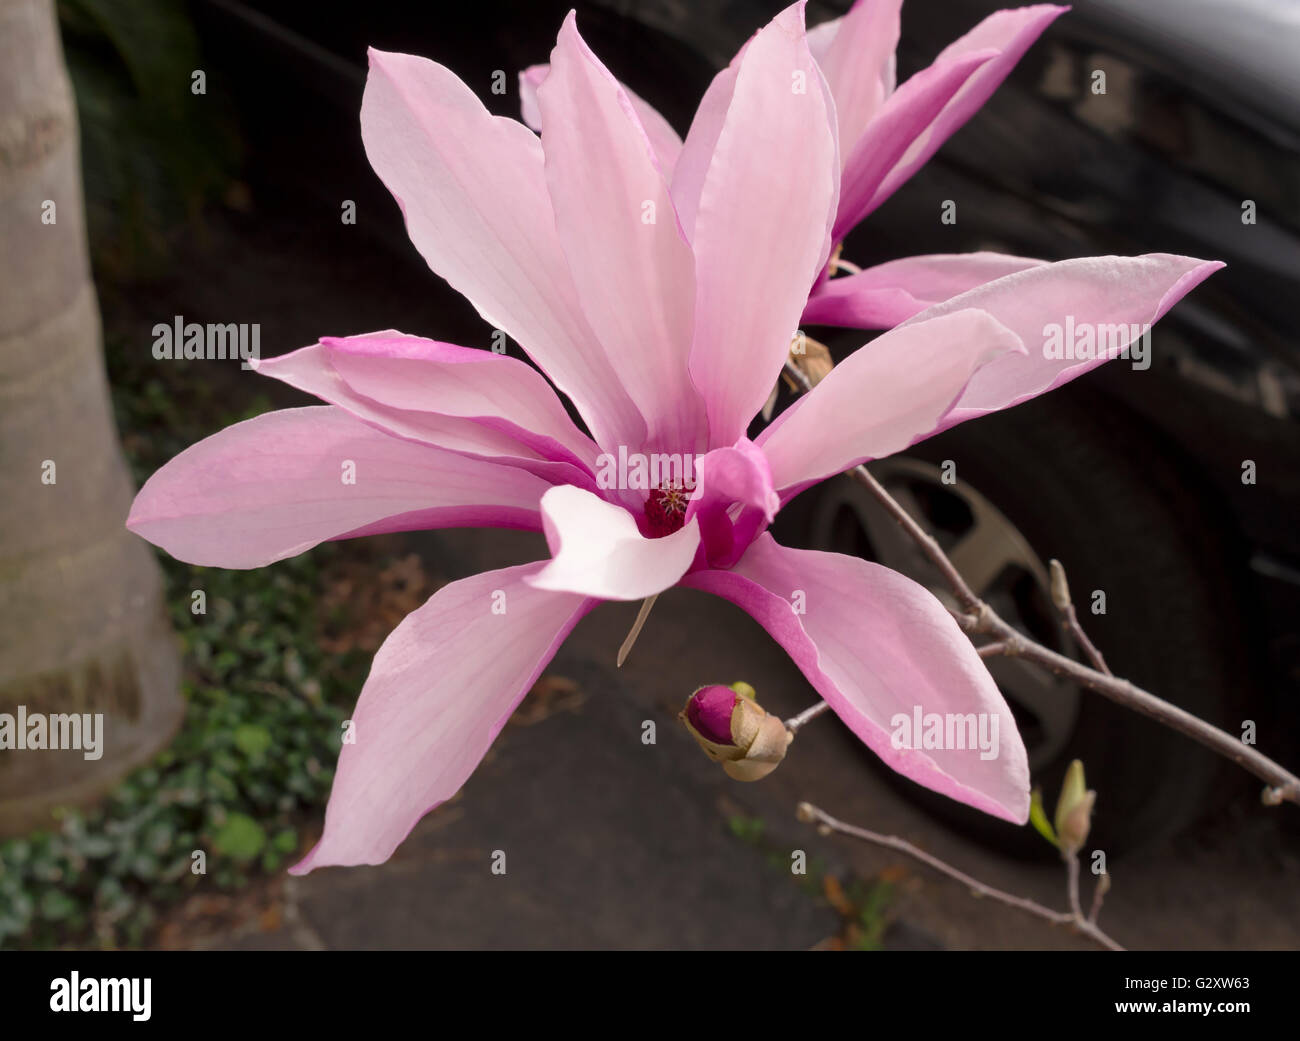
82 625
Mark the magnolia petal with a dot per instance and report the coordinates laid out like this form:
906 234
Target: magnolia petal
1100 293
472 188
736 476
701 140
883 397
597 549
883 296
460 399
664 140
276 485
879 647
821 36
439 691
1008 33
857 62
632 267
902 120
413 373
760 234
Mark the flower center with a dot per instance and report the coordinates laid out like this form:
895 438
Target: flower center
665 509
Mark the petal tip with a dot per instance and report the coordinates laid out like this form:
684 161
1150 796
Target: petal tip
307 863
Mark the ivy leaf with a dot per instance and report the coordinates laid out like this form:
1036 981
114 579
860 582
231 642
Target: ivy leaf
56 906
252 740
240 837
285 841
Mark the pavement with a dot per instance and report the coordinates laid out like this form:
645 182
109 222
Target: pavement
613 843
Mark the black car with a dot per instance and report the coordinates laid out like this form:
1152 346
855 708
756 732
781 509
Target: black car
1170 493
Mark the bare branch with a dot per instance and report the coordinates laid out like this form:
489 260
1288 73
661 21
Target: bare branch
1074 918
1098 895
1070 618
1072 883
977 617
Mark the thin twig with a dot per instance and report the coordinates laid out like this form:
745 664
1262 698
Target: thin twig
1098 895
1070 618
1072 883
811 814
795 722
976 617
1283 785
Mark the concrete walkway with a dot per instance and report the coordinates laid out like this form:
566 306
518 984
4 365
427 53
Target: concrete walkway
613 843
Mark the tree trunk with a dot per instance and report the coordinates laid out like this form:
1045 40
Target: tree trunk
82 626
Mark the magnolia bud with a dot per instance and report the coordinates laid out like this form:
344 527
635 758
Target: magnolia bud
812 358
1074 810
1060 585
734 730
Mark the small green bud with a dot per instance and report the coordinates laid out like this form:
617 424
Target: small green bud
1074 809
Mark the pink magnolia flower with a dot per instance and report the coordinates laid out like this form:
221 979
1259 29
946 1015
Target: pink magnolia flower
665 319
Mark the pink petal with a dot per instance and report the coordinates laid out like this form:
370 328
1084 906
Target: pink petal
858 63
821 36
877 645
701 140
456 398
472 188
736 476
881 297
273 486
902 120
1092 291
633 269
597 549
883 397
762 231
663 138
441 688
410 372
1008 34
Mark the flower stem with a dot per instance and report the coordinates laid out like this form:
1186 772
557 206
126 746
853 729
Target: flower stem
641 616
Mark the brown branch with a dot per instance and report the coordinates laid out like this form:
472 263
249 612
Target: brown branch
1072 883
1070 618
1098 895
977 617
1283 785
1074 918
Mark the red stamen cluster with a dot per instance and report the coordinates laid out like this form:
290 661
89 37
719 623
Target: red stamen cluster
665 509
